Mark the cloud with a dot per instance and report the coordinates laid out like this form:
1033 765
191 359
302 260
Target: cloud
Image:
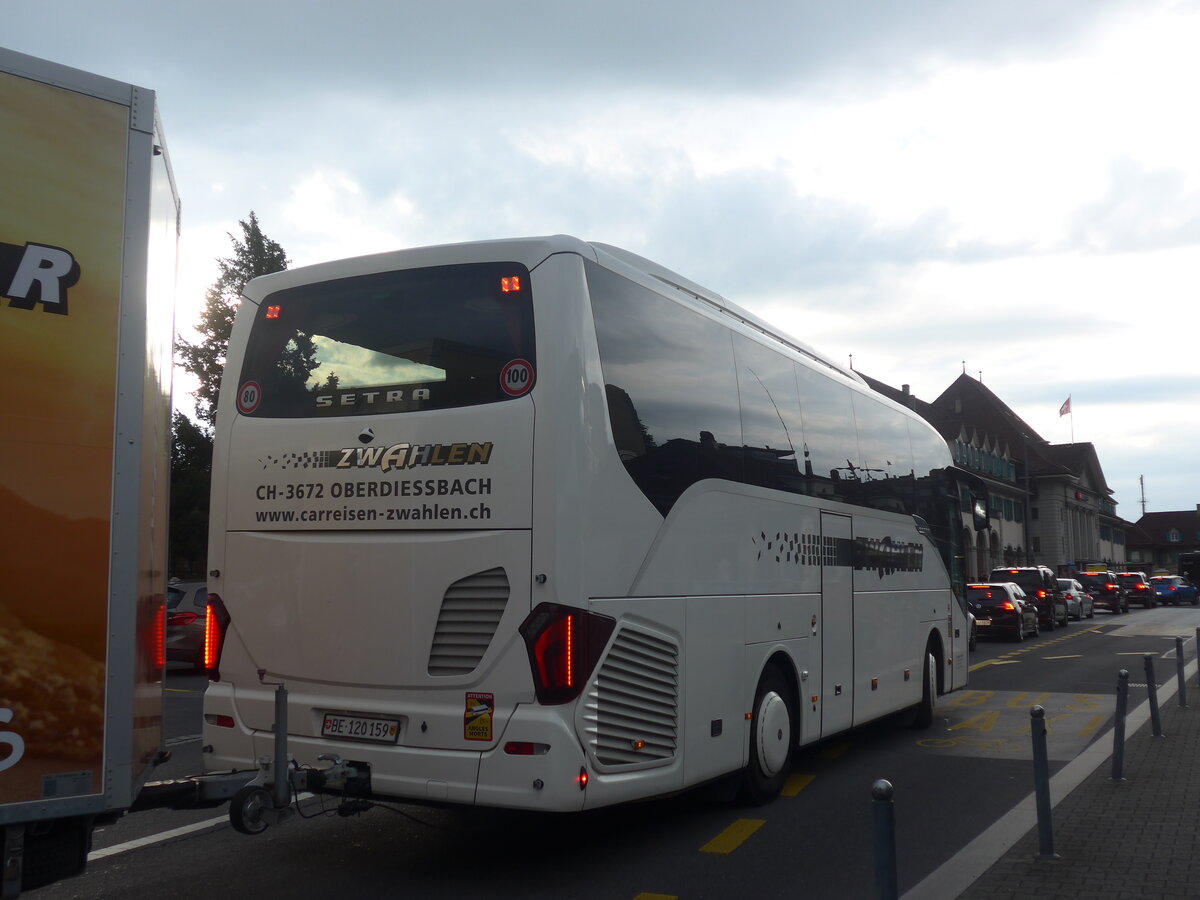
1143 209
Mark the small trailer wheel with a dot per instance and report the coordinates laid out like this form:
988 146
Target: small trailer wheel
246 809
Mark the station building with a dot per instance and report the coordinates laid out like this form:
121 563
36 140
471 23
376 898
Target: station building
1048 504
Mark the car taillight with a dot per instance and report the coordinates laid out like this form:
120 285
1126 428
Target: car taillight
1007 604
182 618
564 644
1041 595
216 621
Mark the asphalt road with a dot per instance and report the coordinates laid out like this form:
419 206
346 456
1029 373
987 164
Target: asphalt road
950 781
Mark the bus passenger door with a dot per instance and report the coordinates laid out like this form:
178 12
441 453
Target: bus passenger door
837 623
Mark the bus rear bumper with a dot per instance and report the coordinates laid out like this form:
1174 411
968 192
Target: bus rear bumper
536 764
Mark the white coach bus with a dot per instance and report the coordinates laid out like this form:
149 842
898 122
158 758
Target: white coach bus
541 524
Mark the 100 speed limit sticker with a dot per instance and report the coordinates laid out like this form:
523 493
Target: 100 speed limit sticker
517 377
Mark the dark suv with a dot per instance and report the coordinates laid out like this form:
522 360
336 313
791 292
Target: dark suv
1138 589
1106 591
1041 587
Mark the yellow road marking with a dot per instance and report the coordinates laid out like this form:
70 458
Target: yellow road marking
796 783
1093 723
1002 659
833 751
733 836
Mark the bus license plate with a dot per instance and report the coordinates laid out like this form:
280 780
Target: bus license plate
361 728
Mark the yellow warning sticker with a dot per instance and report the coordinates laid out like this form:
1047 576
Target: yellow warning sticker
477 721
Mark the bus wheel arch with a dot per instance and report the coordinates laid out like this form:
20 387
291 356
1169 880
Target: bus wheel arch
774 733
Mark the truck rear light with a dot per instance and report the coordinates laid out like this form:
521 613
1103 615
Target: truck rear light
216 622
219 721
564 644
158 644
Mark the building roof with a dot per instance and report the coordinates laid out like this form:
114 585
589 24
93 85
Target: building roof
1158 526
968 410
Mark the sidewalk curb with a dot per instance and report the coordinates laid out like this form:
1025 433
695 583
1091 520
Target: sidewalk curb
959 872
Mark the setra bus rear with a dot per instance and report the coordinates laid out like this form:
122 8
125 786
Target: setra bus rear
372 520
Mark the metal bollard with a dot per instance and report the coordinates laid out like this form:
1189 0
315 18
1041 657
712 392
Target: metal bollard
1179 672
1118 756
1041 784
887 885
1152 687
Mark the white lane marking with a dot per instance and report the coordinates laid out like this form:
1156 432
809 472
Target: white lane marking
152 839
155 838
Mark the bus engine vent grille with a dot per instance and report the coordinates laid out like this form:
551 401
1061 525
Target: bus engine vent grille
632 709
467 622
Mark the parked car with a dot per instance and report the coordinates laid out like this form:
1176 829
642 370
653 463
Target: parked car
186 602
1002 608
1106 591
1175 589
1138 589
1079 601
1041 587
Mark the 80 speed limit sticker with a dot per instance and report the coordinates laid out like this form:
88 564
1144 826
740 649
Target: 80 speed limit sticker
248 398
516 378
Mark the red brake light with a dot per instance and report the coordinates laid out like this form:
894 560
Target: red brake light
182 618
216 621
1007 604
1041 595
158 647
564 644
510 284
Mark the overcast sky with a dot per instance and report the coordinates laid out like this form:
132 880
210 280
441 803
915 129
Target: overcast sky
1008 188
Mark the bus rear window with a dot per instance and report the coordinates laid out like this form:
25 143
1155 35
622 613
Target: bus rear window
391 342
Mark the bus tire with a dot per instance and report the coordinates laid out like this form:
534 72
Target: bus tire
924 715
772 739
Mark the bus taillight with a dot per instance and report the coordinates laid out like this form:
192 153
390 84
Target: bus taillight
564 644
216 621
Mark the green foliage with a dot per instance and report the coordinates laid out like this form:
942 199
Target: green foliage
191 469
253 255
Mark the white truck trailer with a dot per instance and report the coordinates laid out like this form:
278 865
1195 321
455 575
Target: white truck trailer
89 224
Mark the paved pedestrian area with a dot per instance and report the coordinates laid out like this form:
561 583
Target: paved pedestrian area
1134 839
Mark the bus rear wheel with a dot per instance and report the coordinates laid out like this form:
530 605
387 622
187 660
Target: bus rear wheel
772 738
924 713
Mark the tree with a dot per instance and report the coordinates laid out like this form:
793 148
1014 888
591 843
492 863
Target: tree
255 254
191 445
191 470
